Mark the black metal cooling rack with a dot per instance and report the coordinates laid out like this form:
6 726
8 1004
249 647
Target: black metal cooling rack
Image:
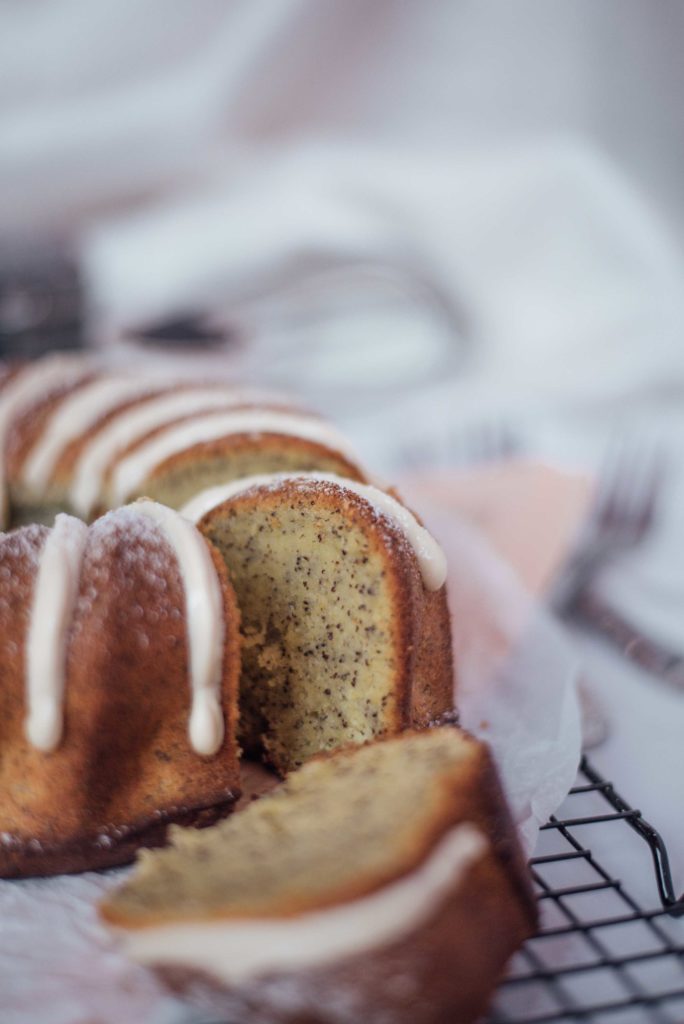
601 955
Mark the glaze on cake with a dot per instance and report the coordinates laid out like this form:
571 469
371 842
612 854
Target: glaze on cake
345 621
381 883
80 439
119 666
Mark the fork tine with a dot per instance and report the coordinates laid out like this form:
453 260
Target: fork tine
627 497
646 502
488 441
642 497
611 477
623 511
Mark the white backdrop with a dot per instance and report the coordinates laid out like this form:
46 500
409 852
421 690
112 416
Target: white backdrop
517 165
524 158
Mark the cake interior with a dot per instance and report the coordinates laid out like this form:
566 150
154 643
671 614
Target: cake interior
337 829
319 621
177 481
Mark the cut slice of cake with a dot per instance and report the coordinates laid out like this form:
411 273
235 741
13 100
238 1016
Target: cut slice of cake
380 883
344 614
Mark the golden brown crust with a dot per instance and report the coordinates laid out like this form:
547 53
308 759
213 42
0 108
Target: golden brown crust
230 406
124 768
469 791
69 458
423 627
255 453
433 674
444 971
97 850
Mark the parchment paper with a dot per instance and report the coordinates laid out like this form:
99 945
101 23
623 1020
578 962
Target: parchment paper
516 679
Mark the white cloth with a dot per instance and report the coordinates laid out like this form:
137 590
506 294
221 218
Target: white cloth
519 246
199 152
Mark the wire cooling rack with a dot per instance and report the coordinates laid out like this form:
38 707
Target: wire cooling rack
600 955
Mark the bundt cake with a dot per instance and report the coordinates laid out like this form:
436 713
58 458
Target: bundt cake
381 883
81 440
189 457
346 630
119 668
45 453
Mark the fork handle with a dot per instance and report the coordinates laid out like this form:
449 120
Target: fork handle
649 654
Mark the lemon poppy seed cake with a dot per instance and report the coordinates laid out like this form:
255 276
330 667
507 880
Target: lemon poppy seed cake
346 631
119 667
290 609
379 883
185 459
81 439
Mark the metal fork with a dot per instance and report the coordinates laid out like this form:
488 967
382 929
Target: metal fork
623 514
489 440
496 441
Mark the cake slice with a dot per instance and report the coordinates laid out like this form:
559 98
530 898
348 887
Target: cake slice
380 883
346 631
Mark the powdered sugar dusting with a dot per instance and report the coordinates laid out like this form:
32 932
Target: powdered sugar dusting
141 553
24 544
431 558
19 560
204 618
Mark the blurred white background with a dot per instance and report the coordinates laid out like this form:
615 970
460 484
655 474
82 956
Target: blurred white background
371 196
419 216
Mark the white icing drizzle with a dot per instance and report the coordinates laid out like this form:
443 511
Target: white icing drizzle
74 417
31 383
54 598
431 558
133 470
205 623
237 951
131 425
